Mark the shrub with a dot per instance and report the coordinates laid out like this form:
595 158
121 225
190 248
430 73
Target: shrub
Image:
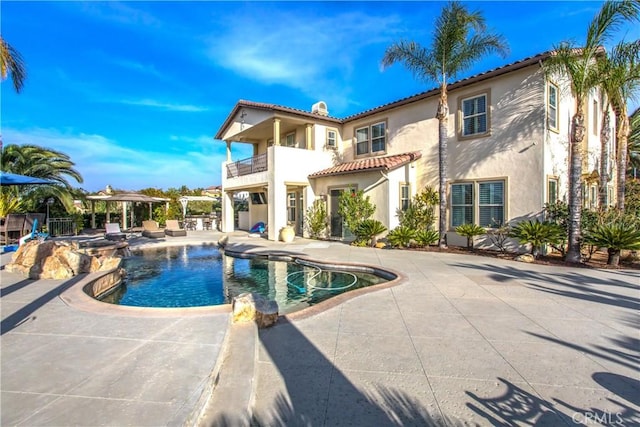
470 231
538 233
369 229
615 237
354 207
421 213
427 237
315 219
499 236
401 236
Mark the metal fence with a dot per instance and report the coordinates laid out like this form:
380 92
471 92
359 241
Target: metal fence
247 166
61 227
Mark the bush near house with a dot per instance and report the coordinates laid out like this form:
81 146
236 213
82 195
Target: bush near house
368 231
421 213
354 207
315 219
401 236
615 237
470 231
427 237
537 234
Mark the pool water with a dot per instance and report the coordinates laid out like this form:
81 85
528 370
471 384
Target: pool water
192 276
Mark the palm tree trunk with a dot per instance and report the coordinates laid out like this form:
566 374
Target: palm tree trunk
575 184
605 139
623 135
443 119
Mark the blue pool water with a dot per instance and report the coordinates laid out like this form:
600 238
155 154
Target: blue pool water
191 276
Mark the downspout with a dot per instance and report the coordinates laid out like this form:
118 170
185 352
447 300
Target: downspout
382 179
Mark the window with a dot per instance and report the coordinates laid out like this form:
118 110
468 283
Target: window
491 204
405 197
552 107
378 137
474 115
552 190
291 207
487 206
362 141
290 140
595 117
461 204
332 138
371 139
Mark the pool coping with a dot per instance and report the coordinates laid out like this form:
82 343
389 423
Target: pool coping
76 297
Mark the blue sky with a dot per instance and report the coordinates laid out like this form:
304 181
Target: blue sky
134 92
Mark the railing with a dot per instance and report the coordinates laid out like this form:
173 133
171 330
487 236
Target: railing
247 166
61 227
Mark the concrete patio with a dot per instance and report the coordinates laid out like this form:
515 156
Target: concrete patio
463 340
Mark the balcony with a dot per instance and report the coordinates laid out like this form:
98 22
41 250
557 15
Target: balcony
247 166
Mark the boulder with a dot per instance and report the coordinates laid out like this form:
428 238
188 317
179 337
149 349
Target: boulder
249 307
57 260
525 258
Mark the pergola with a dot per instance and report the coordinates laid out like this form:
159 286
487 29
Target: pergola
125 198
184 201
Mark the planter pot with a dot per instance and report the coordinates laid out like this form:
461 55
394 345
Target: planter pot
287 234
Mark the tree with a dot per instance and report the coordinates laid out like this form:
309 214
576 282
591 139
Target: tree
620 74
578 64
460 39
39 162
11 62
634 141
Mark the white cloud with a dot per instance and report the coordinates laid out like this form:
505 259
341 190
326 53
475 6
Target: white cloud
164 105
193 161
315 55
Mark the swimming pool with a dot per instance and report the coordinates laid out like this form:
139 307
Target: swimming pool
192 276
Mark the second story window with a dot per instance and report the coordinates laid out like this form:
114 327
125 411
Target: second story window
552 107
332 138
474 115
290 140
362 141
371 139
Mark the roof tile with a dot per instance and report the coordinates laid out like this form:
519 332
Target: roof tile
386 163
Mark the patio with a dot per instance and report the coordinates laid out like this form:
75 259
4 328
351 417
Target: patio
463 340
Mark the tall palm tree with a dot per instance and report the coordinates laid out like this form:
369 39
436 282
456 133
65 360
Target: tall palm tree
634 140
459 40
620 81
39 162
578 64
11 62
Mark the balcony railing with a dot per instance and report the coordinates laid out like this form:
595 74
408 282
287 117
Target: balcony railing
247 166
61 227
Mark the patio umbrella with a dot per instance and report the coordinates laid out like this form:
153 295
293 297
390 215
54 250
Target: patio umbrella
15 179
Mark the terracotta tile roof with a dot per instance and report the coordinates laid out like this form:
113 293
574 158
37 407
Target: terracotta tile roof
386 163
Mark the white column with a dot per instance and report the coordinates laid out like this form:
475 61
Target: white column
228 151
226 225
276 131
308 137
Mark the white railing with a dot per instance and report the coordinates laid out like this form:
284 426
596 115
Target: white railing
61 227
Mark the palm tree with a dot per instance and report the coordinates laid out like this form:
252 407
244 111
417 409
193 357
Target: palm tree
39 162
620 81
460 39
634 140
579 66
11 62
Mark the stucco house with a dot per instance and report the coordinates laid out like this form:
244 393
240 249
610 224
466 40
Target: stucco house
507 153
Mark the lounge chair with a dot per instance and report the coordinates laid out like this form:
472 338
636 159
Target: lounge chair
12 228
33 234
173 229
113 232
151 229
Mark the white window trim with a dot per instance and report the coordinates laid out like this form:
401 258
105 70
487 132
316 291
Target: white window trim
408 186
335 139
